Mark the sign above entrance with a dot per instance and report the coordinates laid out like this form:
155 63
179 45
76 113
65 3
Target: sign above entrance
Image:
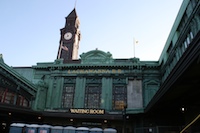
97 71
87 111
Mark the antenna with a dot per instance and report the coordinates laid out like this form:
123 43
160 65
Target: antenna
75 4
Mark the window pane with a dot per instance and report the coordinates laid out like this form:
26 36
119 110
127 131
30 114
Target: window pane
119 97
10 97
92 97
67 97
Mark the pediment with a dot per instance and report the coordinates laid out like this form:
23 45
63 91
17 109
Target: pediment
96 57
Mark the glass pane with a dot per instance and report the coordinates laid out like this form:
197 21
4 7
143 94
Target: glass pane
92 97
68 96
119 97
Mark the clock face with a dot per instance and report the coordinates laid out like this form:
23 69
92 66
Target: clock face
68 35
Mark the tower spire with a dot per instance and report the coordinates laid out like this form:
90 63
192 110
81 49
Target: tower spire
75 4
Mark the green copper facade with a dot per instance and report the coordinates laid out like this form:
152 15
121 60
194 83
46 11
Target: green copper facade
141 80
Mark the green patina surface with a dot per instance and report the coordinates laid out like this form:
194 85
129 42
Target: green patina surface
103 66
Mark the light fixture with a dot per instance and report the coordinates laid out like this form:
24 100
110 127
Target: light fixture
182 109
150 130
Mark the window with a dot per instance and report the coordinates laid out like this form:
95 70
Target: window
93 96
191 35
68 92
25 103
68 96
9 97
185 44
2 94
119 97
188 40
21 101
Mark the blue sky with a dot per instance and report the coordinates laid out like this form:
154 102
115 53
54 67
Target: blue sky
30 30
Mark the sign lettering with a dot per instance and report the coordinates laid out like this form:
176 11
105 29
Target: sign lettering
98 71
87 111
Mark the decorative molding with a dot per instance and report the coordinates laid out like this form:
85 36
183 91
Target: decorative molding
96 57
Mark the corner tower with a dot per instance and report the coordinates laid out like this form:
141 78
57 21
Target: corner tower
70 38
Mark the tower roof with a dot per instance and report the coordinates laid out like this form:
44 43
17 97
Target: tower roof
73 14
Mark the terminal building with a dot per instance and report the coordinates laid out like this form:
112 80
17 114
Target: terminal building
97 90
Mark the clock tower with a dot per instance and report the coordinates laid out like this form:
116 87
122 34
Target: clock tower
70 38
